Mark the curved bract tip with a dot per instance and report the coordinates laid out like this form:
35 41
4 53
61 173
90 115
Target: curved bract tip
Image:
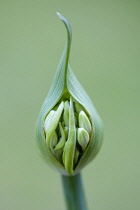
68 26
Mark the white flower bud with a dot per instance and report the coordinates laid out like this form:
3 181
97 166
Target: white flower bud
84 122
82 137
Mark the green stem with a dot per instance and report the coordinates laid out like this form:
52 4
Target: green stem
73 192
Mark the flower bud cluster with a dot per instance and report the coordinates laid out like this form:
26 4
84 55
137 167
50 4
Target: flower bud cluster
67 130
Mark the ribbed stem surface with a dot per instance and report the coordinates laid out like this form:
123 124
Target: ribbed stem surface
74 192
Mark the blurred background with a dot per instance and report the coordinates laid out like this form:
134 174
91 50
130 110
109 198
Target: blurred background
105 57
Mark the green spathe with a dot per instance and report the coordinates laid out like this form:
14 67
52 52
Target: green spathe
67 108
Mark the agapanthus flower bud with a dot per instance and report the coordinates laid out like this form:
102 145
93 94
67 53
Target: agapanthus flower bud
83 138
69 130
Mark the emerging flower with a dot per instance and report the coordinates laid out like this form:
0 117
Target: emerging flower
69 130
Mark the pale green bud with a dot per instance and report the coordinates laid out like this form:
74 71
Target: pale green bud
53 141
69 129
48 120
66 113
62 140
53 123
78 108
84 122
82 137
66 129
69 148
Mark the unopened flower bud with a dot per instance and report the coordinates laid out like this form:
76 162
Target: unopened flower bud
53 141
62 140
48 120
66 113
83 138
69 129
84 122
53 121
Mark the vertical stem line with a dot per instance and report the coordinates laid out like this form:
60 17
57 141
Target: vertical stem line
74 192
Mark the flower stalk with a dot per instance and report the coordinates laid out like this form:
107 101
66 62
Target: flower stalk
74 192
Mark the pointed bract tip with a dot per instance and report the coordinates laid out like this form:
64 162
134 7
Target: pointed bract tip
59 15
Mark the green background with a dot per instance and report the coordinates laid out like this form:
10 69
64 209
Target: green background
105 57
